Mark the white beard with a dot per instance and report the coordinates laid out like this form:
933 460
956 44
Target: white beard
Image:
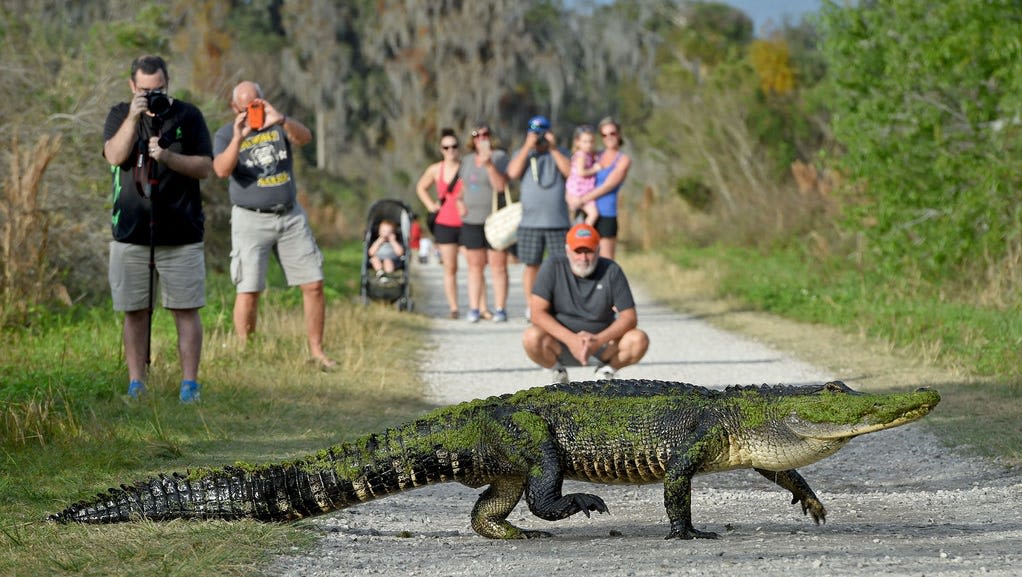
584 270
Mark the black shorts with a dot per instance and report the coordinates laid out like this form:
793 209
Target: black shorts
473 237
444 234
607 226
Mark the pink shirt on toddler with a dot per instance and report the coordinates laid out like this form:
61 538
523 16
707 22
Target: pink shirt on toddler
578 185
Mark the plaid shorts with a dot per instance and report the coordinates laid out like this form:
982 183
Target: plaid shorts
533 241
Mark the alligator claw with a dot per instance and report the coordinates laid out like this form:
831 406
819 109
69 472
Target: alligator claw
536 535
813 508
687 533
587 503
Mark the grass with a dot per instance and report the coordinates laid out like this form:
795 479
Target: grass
67 433
883 334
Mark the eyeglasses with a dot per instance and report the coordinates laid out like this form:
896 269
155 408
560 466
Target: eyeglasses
449 146
480 134
608 134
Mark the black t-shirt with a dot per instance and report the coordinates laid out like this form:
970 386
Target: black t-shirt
583 304
176 200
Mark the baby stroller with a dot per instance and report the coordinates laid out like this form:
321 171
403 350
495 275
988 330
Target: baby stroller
391 287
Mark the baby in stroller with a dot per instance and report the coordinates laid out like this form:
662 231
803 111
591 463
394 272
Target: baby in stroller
386 251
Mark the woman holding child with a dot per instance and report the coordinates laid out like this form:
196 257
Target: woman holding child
614 166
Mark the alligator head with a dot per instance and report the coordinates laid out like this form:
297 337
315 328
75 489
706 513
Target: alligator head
795 426
838 412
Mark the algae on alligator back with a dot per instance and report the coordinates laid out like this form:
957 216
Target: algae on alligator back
528 443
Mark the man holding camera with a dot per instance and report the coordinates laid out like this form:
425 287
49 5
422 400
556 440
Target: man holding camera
159 149
254 151
542 168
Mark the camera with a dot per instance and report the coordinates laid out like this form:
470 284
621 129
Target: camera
158 102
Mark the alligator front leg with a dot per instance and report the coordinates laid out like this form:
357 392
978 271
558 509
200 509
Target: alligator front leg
546 476
800 492
678 500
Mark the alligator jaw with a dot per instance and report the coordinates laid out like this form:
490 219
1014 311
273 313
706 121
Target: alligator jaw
834 431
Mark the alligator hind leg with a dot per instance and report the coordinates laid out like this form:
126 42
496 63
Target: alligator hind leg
489 516
800 492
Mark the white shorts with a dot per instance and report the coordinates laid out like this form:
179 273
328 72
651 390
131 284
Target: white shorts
180 275
255 235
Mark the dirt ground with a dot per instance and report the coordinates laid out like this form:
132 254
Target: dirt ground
898 502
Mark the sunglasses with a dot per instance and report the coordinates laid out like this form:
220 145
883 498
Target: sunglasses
608 134
480 134
449 147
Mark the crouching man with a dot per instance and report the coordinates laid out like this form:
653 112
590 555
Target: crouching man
583 312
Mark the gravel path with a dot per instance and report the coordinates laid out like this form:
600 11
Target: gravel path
898 503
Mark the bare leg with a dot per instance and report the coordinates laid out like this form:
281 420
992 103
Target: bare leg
315 317
246 312
136 327
629 349
189 341
449 254
607 247
498 270
540 347
476 259
529 279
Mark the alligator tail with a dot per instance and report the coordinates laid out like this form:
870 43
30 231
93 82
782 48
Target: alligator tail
339 477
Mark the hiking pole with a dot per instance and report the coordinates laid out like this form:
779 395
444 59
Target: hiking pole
146 190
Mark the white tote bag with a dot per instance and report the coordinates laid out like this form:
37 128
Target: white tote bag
501 227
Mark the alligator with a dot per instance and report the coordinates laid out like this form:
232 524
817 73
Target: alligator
529 442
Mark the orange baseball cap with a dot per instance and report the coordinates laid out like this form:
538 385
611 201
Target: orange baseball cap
583 235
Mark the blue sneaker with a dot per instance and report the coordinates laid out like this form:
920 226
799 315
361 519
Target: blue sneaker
473 315
136 389
189 392
500 316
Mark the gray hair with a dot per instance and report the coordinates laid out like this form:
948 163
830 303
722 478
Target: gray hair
234 92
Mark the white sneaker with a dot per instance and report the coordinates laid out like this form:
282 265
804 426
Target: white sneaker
604 373
560 376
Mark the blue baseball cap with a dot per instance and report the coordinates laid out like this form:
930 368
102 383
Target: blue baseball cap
539 124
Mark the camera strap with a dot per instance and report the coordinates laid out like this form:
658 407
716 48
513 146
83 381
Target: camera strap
144 171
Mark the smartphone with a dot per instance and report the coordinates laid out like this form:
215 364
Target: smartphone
483 146
256 115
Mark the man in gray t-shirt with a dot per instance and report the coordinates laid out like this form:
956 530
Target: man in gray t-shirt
582 310
542 168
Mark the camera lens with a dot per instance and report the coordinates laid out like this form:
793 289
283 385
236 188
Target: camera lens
158 102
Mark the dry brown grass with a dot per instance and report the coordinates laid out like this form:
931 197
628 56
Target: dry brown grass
25 275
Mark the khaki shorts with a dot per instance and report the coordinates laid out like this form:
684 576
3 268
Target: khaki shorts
180 276
255 235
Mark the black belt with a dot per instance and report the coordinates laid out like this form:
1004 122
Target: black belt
278 209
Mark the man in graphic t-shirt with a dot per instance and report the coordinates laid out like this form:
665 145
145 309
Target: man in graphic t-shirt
266 216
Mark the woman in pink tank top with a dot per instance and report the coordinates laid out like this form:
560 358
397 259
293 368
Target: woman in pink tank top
448 208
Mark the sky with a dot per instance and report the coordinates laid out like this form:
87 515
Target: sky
762 11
